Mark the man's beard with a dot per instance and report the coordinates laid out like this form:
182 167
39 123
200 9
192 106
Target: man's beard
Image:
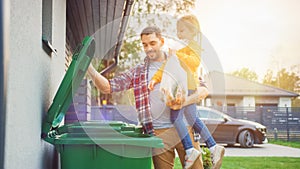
153 54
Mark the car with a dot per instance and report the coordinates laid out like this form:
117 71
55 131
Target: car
228 130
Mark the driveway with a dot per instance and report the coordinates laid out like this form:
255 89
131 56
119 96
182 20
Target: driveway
265 150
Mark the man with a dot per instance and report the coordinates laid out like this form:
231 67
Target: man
159 116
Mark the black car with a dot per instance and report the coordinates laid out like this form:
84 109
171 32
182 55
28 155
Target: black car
228 130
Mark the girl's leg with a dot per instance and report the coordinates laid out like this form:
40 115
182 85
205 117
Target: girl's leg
198 125
192 154
177 120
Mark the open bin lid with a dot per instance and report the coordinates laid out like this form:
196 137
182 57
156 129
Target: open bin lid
69 85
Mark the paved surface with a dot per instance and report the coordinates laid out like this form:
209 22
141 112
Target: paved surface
265 150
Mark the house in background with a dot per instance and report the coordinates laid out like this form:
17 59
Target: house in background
40 37
228 90
244 99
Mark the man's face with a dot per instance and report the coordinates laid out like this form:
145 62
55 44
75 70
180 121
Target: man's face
152 46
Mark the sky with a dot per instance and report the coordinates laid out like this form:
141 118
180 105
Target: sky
256 34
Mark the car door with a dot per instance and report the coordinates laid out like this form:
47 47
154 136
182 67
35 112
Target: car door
219 126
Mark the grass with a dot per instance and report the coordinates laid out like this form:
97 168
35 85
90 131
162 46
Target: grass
255 163
260 162
295 144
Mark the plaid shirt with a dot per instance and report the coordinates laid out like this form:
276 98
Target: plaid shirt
137 78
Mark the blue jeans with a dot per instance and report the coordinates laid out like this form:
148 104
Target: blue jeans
191 117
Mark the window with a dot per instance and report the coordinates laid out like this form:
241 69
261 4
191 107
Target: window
209 114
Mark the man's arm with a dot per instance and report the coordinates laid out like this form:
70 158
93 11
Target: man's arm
197 96
100 81
200 94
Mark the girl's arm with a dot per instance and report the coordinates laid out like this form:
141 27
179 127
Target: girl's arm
156 77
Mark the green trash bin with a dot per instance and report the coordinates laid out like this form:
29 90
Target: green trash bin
93 144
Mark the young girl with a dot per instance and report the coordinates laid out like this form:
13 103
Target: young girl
188 29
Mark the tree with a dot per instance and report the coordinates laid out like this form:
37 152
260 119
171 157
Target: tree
268 78
246 73
285 80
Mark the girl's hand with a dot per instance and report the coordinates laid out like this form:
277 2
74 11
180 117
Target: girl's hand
172 52
151 85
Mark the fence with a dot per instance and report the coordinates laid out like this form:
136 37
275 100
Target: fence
281 122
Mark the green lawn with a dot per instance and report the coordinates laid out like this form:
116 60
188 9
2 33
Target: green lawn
295 144
256 163
260 162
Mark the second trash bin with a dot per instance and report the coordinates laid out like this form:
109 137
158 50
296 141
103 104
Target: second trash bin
93 144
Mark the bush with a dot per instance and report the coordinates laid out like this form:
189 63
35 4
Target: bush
206 158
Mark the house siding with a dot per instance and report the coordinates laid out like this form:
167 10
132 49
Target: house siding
33 79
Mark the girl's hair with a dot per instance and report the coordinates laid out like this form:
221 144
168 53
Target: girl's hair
191 22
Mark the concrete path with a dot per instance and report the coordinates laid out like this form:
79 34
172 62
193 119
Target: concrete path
263 150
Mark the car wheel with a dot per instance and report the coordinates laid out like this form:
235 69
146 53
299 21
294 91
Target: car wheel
246 139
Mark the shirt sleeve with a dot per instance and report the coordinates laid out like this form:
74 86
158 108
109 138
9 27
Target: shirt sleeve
148 128
122 82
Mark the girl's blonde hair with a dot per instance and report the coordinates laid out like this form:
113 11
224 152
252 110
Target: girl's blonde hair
191 22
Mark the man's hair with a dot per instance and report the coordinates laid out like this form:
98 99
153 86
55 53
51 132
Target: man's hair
151 29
